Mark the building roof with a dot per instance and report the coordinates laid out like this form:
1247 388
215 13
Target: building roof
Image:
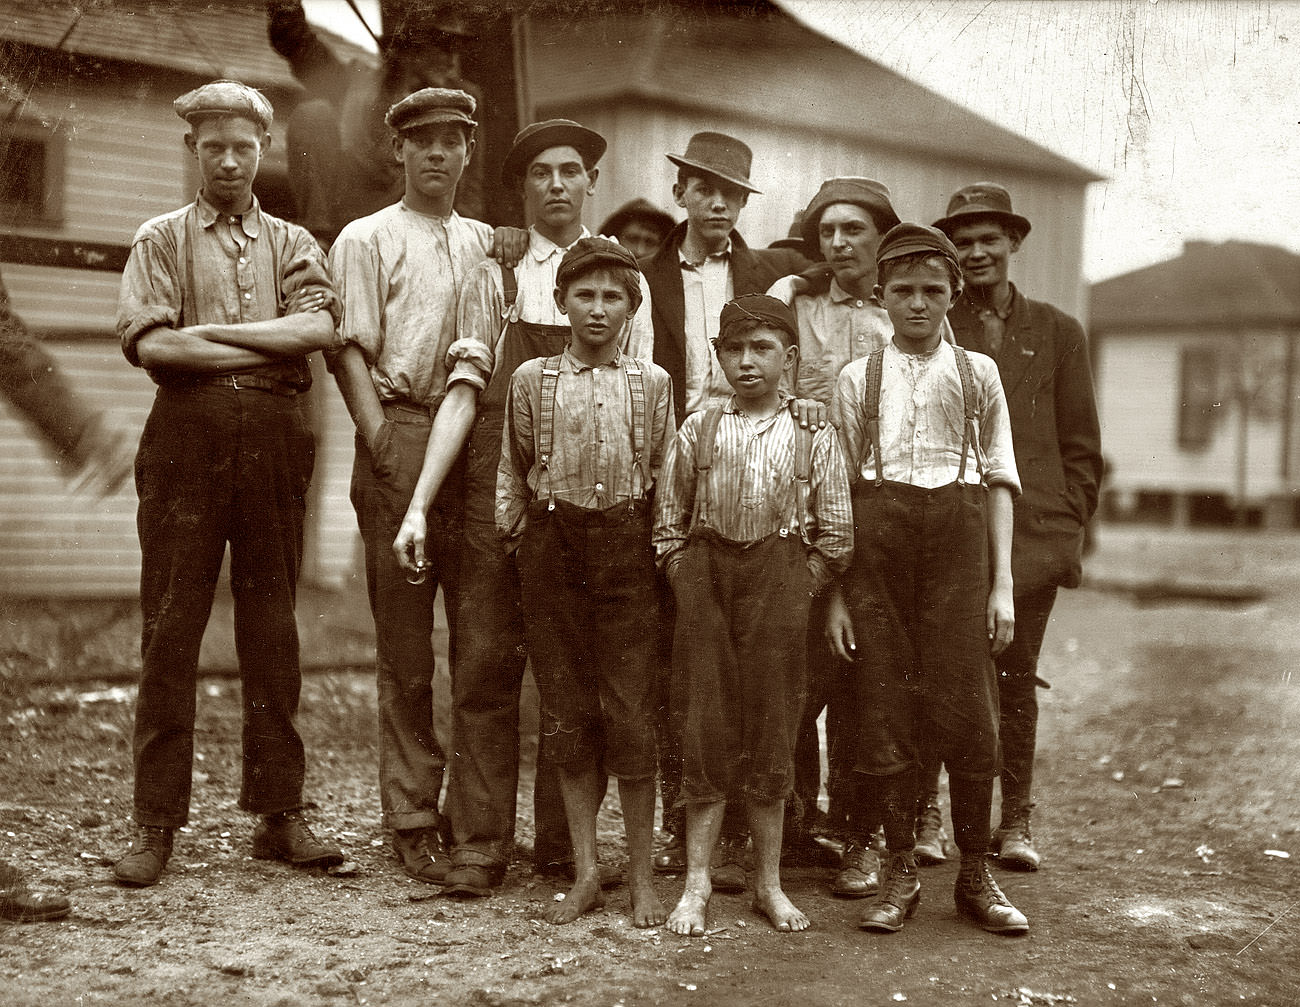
756 60
1236 283
216 38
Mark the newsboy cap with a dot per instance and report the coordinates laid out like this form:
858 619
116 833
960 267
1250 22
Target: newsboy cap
867 193
588 252
539 136
908 239
759 307
430 105
718 154
981 200
225 97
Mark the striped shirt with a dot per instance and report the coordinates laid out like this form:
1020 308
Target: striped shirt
751 486
400 274
592 462
921 420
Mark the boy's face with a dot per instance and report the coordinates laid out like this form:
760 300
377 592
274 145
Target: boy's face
984 249
640 238
917 298
848 238
598 306
229 150
712 206
433 157
754 361
555 186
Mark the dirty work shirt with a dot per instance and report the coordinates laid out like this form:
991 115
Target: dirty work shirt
400 274
592 463
921 419
706 287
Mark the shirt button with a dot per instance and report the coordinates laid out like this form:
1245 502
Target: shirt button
858 303
600 487
248 297
234 220
242 260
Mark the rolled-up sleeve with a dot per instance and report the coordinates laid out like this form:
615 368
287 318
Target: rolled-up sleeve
306 269
150 294
362 287
479 321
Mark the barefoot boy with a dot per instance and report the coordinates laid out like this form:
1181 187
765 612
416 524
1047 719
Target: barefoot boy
753 517
926 431
584 438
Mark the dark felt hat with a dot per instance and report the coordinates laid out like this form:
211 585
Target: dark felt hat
225 97
760 307
983 199
637 209
718 154
867 193
908 239
430 105
539 136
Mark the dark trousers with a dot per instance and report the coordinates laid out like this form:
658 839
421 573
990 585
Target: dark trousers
1017 668
588 579
742 615
216 466
411 760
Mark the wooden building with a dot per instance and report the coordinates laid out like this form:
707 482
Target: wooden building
1196 383
88 88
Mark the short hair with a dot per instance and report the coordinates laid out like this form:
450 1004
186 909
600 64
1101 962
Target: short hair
627 277
685 174
745 326
886 269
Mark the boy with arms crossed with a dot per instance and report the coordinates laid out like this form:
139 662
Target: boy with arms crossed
928 440
584 439
753 519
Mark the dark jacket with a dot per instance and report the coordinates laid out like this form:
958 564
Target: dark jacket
752 272
1048 382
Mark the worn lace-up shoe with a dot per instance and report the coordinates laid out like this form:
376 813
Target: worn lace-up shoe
476 881
727 872
930 837
286 836
671 857
144 862
978 896
899 894
422 854
19 902
859 874
1015 846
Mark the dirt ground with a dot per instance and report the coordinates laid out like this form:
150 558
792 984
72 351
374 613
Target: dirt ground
1166 782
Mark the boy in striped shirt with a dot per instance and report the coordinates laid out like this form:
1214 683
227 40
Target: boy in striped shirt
585 434
753 518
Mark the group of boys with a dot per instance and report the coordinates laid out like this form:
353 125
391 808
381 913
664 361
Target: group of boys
615 471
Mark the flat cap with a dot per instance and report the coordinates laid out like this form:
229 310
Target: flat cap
588 252
429 105
225 97
908 239
867 193
539 136
983 200
758 307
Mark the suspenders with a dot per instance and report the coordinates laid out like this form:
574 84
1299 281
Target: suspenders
871 409
705 447
640 428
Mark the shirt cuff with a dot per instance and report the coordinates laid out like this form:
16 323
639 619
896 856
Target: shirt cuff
469 360
140 325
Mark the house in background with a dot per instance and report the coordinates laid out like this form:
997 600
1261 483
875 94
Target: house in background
1196 380
88 91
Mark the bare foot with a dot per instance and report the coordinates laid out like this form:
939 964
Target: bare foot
647 910
687 918
583 897
774 904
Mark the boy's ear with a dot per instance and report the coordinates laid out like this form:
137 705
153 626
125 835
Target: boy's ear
191 145
679 194
791 355
397 147
1016 239
470 143
878 292
592 175
558 294
266 142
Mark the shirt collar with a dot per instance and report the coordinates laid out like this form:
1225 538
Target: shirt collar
786 399
575 365
541 248
250 220
839 295
722 256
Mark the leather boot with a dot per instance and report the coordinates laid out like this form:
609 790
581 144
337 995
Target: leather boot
144 862
899 894
978 896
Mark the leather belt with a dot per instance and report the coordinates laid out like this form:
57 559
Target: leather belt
241 381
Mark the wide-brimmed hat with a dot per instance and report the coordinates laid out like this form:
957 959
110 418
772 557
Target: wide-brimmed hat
867 193
539 136
718 154
429 105
637 209
983 199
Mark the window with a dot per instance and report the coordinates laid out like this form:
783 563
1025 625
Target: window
1199 400
31 174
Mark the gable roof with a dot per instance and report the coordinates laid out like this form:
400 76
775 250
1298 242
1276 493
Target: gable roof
215 38
1236 283
757 61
